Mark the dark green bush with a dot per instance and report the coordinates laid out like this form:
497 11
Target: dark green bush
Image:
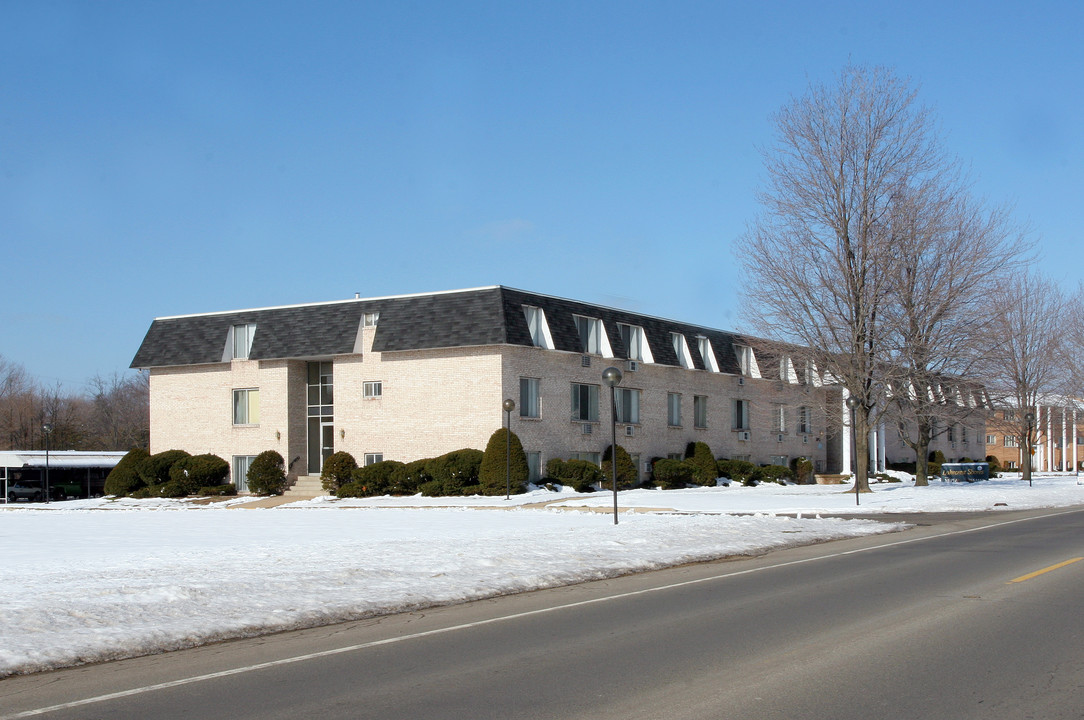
338 470
218 490
772 473
495 465
937 457
408 479
155 469
431 488
580 475
198 471
124 478
626 469
933 468
267 474
801 470
455 471
740 471
670 474
144 492
171 489
370 480
995 465
706 472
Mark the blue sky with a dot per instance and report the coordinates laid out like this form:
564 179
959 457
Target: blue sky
162 158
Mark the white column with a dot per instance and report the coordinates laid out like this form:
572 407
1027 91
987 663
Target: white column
1073 439
1037 458
846 434
1064 447
882 449
1050 440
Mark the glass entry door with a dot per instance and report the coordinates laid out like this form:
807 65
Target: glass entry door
321 412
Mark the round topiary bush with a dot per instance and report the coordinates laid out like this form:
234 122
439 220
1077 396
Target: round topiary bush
455 471
503 456
740 471
155 469
580 475
266 474
408 479
338 470
671 474
699 456
370 480
198 471
124 478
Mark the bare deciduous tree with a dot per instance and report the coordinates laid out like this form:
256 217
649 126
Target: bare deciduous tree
819 261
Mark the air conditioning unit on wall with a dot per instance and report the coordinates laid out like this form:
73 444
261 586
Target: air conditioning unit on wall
633 365
630 430
743 435
587 428
780 439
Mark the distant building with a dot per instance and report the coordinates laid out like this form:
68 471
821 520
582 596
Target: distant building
72 473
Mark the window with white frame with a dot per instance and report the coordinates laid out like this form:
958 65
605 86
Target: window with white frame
635 342
951 433
991 439
590 331
1012 441
241 464
373 458
584 402
538 327
681 349
673 409
372 389
242 340
246 406
741 415
782 460
700 411
963 434
628 405
780 416
746 361
708 353
370 319
530 397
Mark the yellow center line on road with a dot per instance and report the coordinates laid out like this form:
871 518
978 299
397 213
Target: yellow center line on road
1037 573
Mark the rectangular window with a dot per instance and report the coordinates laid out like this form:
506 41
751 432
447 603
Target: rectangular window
780 419
590 331
241 464
633 338
591 457
963 435
530 398
745 359
700 411
952 433
537 326
628 405
805 420
242 340
1012 441
534 467
584 403
673 409
371 319
991 439
246 407
741 415
371 390
782 460
373 458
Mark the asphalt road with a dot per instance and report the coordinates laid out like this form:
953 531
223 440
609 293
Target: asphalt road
947 620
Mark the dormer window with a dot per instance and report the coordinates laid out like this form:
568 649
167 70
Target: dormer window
590 331
681 349
786 370
370 319
747 362
242 340
706 352
635 342
538 327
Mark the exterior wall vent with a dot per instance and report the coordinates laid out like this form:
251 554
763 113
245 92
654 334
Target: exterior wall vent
585 361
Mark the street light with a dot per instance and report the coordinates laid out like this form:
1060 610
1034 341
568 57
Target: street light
47 430
1029 447
509 405
612 377
852 403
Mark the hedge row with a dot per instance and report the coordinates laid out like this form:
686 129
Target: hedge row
175 474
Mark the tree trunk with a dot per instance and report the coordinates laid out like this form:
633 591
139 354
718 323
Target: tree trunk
861 449
922 455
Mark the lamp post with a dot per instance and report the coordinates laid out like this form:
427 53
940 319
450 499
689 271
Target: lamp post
47 430
509 405
852 403
1029 447
612 377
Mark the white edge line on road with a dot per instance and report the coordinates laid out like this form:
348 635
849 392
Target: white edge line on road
490 621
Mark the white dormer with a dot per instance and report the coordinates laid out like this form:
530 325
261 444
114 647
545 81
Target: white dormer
538 327
708 353
239 342
636 341
787 372
747 361
681 349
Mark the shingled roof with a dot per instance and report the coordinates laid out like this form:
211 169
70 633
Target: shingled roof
464 318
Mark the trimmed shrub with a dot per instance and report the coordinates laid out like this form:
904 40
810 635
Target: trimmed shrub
375 479
267 474
740 471
995 465
338 470
801 470
580 475
198 471
772 473
155 469
670 474
170 489
455 471
705 470
408 479
218 490
503 456
626 469
937 457
124 478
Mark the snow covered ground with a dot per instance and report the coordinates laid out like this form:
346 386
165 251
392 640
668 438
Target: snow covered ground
91 580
